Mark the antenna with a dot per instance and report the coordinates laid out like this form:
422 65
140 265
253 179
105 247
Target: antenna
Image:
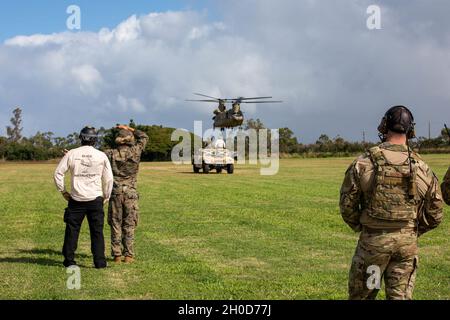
429 130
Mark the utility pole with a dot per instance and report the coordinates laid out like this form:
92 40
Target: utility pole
364 137
429 130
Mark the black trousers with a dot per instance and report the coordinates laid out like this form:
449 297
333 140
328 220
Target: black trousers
73 218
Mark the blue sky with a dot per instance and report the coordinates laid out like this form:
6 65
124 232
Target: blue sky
26 17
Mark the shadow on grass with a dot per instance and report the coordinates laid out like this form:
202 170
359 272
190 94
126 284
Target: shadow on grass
200 173
39 261
49 251
38 256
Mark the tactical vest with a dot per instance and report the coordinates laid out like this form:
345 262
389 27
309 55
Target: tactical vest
394 193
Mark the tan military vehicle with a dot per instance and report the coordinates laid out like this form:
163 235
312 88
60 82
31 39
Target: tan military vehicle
213 159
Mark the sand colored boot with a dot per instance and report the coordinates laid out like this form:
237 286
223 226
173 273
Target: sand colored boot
118 260
129 259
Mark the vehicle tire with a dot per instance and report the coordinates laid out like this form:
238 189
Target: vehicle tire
196 169
206 168
219 170
230 168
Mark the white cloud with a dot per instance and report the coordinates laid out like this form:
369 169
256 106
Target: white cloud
128 30
88 78
130 104
334 75
36 40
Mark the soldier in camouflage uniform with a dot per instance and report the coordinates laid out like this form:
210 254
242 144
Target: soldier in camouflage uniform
446 188
391 196
123 214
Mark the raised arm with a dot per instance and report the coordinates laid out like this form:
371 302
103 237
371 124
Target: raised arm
140 136
141 139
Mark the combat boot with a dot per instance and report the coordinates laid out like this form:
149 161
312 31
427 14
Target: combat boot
118 259
129 259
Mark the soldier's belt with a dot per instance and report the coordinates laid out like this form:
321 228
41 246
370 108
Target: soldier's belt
387 230
123 189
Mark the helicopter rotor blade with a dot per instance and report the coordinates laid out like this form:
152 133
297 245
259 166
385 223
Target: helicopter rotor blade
261 102
235 100
257 98
203 100
203 95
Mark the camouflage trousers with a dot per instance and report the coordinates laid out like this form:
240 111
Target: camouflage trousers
389 256
123 217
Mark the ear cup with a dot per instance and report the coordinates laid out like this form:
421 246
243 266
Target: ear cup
382 128
411 133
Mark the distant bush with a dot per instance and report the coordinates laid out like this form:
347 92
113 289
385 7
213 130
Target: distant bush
439 150
25 152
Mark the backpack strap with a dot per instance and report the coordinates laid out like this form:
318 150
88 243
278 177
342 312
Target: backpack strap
415 157
376 154
379 161
377 157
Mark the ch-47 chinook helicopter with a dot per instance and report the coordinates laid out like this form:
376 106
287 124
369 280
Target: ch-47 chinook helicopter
233 117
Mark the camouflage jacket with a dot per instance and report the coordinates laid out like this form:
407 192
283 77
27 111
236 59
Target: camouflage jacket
446 188
125 163
358 186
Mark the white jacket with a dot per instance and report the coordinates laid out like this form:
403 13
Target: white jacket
91 173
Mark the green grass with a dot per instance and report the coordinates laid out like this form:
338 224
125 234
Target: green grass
244 236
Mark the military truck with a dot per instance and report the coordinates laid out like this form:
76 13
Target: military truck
209 159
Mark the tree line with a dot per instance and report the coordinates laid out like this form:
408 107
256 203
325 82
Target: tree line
46 146
339 147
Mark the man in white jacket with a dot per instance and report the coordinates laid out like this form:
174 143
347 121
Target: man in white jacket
91 186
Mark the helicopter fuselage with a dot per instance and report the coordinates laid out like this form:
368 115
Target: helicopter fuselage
228 119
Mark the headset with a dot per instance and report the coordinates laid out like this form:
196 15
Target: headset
406 126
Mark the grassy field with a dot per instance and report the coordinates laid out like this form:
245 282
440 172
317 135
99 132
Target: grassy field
244 236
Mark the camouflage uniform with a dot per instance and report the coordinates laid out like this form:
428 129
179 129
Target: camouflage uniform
376 200
446 188
123 214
